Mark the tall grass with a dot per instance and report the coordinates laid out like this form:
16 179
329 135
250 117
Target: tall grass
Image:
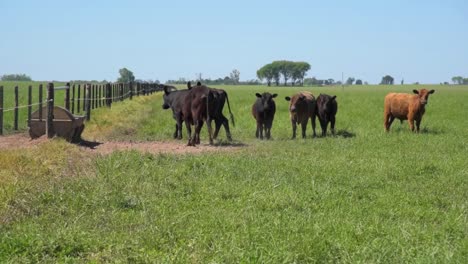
362 196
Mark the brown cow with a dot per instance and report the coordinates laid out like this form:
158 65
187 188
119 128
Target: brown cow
302 106
404 106
198 105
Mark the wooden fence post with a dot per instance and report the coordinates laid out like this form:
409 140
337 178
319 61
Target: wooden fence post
130 88
50 111
108 95
41 98
78 103
15 124
100 96
92 96
29 103
88 101
67 97
73 100
1 110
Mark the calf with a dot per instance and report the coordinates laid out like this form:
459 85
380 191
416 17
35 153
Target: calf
302 107
175 100
404 106
326 111
220 97
263 110
198 105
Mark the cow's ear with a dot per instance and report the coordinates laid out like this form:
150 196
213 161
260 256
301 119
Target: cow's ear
333 97
166 92
258 95
432 91
302 97
198 83
415 91
287 98
274 95
189 85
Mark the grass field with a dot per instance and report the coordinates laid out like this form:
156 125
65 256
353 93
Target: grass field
362 196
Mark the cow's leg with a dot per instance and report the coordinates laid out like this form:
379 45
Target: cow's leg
189 134
411 122
418 122
323 125
179 122
312 120
386 121
198 126
218 124
210 130
176 131
225 123
332 124
260 130
304 128
294 126
268 129
257 132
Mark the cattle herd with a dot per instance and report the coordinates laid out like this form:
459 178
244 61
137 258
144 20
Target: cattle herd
201 104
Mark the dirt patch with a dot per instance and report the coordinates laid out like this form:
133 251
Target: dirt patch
18 141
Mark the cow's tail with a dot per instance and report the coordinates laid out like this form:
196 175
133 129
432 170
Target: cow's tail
230 113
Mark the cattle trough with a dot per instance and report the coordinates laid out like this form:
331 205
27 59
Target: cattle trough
65 124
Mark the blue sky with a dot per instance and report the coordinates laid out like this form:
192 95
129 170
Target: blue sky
424 41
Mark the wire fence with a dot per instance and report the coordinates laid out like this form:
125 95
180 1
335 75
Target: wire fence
78 98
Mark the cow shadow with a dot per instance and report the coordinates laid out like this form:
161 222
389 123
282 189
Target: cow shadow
226 143
88 144
345 134
433 131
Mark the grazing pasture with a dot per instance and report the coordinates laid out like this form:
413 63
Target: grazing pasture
361 196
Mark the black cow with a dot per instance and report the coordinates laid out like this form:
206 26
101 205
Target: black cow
175 100
220 97
326 111
198 105
263 110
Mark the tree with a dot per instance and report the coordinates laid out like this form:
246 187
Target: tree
235 76
16 77
358 82
125 76
457 80
300 70
387 79
350 81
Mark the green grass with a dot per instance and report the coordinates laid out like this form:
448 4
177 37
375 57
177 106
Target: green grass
370 197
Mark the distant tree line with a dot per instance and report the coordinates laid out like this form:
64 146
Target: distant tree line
289 70
16 77
459 80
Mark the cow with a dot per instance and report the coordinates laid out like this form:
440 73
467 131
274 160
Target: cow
175 100
220 97
198 105
326 111
263 110
302 106
405 106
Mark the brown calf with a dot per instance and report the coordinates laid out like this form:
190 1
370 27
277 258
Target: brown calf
302 107
404 106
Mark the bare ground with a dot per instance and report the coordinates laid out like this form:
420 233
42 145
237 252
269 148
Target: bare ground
19 141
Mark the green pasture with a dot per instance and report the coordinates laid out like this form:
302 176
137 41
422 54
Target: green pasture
362 196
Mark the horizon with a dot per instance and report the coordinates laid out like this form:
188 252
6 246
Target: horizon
420 41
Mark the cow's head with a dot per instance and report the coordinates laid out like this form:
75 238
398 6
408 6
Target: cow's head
326 101
423 95
296 101
166 103
267 99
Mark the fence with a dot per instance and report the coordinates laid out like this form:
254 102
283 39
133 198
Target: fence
78 98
